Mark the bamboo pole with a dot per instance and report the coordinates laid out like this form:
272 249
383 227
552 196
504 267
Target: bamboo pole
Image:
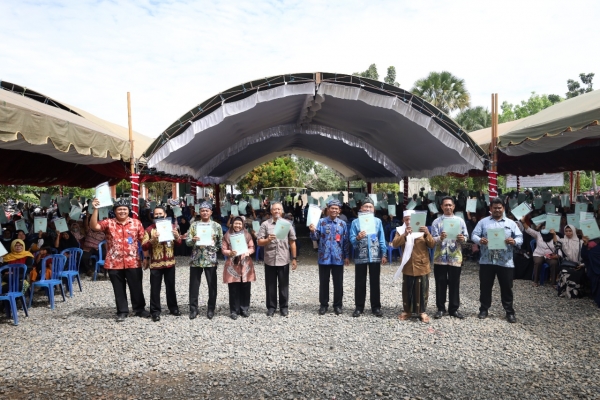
132 158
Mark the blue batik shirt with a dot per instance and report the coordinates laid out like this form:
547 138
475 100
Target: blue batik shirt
503 258
332 236
370 249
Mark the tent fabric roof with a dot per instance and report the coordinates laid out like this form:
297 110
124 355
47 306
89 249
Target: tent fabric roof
483 137
555 127
360 127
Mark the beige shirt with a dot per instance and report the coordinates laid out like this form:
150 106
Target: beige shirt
277 253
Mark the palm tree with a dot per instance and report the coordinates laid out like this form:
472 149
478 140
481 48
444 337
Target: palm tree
473 119
443 90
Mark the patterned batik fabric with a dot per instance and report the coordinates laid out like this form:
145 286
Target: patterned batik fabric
334 245
447 252
122 242
205 256
370 249
415 293
162 254
238 269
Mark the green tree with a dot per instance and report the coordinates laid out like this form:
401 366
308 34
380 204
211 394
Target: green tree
327 179
390 78
444 90
575 88
278 172
386 188
533 105
372 73
473 119
452 184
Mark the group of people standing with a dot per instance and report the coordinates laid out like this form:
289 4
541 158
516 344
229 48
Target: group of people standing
335 241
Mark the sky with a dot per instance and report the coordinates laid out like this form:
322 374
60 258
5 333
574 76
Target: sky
172 55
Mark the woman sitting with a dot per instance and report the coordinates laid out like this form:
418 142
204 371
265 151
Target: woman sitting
36 271
17 255
544 252
238 271
570 279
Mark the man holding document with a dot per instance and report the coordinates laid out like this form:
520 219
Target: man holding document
205 237
496 237
449 233
159 247
279 239
332 235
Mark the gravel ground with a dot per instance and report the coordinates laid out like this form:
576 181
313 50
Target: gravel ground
79 351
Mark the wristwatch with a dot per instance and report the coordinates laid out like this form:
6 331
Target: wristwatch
295 258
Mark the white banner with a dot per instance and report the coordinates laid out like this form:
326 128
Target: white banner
545 180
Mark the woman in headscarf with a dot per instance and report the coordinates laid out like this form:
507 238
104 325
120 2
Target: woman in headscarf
75 231
17 255
238 272
65 240
570 278
544 252
415 268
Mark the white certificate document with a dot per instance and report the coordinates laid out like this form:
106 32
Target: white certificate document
3 251
314 215
61 225
204 232
165 230
103 195
238 243
40 224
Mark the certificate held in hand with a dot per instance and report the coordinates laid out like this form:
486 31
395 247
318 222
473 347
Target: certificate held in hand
417 220
165 230
496 238
313 216
366 222
238 243
103 195
61 225
282 228
40 224
451 228
204 232
590 229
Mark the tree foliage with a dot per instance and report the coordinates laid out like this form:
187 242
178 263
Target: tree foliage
278 172
533 105
444 90
473 119
575 88
372 73
452 184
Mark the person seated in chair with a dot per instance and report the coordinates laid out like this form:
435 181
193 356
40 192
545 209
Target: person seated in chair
544 253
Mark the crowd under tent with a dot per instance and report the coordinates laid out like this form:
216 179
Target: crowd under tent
44 142
362 128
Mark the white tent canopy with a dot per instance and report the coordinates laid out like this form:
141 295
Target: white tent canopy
359 127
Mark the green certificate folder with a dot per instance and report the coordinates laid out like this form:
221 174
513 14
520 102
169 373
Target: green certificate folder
366 222
553 222
282 228
418 220
432 208
521 210
538 203
460 214
550 208
238 243
255 226
513 203
20 225
495 237
204 233
40 224
452 228
580 207
189 200
573 219
590 229
472 205
234 210
255 204
61 225
103 195
313 216
391 209
177 211
103 213
565 200
242 207
540 219
411 205
45 200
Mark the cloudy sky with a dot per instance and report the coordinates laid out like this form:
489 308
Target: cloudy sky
172 55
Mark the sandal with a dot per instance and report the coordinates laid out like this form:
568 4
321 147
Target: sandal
404 316
535 284
424 317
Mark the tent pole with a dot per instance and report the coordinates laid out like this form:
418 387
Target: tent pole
571 186
518 184
369 187
132 158
493 171
405 181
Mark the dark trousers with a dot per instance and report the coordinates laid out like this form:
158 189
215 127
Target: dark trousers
487 275
337 273
211 281
84 264
537 266
360 285
156 278
239 296
132 277
275 275
447 276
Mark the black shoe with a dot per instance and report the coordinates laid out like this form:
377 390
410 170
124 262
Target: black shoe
233 316
210 314
377 312
142 314
270 312
193 314
156 318
322 310
284 312
245 314
511 318
456 314
121 317
176 313
439 314
356 313
337 310
482 315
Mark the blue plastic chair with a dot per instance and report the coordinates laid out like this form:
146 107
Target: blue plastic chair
72 270
16 276
391 249
58 266
545 266
100 260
